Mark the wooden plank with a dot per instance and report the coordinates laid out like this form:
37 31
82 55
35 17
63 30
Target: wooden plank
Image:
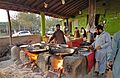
41 5
68 9
77 9
33 1
17 1
71 7
37 3
53 5
22 1
76 12
65 6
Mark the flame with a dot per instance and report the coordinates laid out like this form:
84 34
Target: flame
60 64
32 56
57 63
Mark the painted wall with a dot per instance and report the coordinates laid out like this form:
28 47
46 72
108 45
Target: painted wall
112 16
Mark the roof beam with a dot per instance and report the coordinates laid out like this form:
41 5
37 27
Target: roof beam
26 8
66 6
32 2
76 12
75 7
53 5
37 3
21 1
74 4
71 7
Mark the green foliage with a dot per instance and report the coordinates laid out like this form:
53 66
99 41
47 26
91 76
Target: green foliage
25 20
51 22
31 21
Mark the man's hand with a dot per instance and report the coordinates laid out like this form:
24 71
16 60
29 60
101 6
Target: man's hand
90 47
109 64
98 47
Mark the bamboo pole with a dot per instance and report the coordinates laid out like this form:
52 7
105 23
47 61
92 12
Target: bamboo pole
43 24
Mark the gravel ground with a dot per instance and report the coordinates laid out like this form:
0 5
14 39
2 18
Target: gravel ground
9 70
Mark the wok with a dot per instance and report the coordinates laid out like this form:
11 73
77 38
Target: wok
38 48
62 51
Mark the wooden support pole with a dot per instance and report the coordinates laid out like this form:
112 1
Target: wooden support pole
9 28
92 12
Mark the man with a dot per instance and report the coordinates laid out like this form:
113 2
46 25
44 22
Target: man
114 58
58 36
76 33
101 45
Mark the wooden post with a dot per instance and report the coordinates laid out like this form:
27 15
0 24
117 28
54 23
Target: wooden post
43 24
9 28
91 10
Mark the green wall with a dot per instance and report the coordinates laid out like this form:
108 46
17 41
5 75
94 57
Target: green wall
113 23
112 15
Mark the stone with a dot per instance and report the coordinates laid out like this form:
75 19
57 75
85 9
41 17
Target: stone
74 66
15 55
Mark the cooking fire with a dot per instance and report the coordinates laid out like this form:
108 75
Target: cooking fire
50 61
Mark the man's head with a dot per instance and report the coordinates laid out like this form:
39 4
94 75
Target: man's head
99 29
76 27
58 27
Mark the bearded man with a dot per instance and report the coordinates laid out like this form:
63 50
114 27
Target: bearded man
102 46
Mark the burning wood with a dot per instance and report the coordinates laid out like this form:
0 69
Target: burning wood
60 64
32 52
57 63
32 59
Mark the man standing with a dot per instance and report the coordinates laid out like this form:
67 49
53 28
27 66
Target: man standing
58 36
114 58
101 45
76 33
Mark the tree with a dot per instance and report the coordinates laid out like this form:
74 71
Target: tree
51 22
25 21
31 22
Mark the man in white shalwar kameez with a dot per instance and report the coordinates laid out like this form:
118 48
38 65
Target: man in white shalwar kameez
102 47
115 56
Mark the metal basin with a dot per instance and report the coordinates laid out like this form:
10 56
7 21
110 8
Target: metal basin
63 51
83 49
38 48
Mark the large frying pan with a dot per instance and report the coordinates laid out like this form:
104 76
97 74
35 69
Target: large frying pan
62 51
36 48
